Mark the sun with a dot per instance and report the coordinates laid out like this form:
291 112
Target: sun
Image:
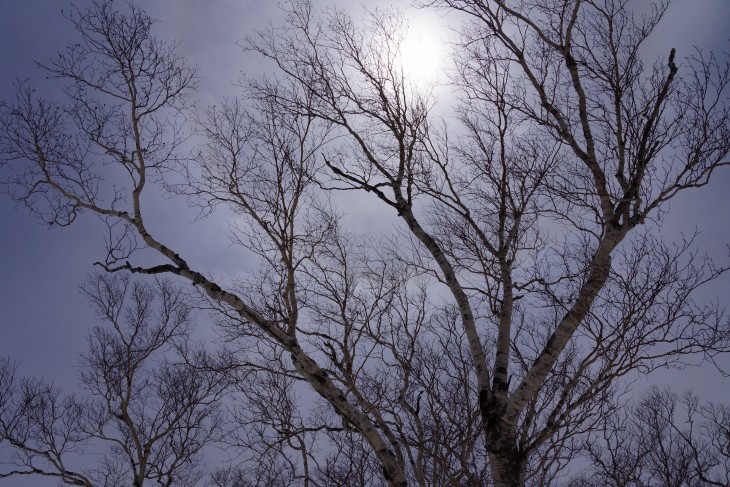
422 51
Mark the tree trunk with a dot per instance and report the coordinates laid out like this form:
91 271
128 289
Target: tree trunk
509 464
508 468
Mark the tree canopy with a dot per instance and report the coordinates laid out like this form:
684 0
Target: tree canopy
490 340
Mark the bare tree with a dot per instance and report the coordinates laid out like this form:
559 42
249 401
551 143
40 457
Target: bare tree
661 440
39 426
564 129
534 219
148 412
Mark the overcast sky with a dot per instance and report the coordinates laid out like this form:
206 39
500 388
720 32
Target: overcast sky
43 318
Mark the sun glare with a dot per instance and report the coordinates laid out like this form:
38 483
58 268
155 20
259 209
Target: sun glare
422 51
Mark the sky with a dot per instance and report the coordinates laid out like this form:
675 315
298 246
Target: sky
44 318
